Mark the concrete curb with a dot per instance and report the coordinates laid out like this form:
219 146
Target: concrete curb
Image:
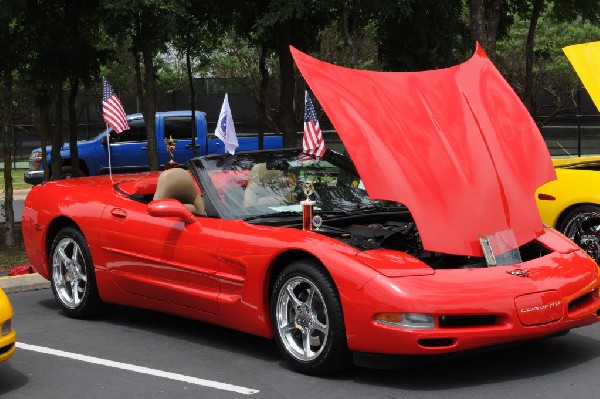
19 194
23 282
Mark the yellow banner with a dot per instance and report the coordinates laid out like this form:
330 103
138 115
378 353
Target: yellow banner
585 58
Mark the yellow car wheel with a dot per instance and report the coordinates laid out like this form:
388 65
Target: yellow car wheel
582 226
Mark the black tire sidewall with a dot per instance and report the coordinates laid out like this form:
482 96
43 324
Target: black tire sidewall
90 304
335 356
575 211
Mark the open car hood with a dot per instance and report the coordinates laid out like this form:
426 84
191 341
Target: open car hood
585 59
455 145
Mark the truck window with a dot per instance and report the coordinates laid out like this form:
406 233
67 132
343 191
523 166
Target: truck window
178 128
136 133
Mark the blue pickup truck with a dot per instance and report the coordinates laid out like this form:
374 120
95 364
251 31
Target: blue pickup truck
129 149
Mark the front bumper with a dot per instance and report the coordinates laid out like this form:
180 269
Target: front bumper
34 177
476 308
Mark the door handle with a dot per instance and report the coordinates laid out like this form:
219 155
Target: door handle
119 213
144 148
189 146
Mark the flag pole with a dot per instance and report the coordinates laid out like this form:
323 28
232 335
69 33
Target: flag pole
108 146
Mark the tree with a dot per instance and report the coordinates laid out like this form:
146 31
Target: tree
45 34
195 37
279 24
84 57
10 43
489 21
410 36
148 25
552 74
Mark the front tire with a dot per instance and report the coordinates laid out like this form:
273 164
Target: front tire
72 275
582 226
307 319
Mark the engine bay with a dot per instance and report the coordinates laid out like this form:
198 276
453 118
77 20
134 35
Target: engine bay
400 233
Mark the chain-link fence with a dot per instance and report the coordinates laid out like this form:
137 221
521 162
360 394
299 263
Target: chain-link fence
576 132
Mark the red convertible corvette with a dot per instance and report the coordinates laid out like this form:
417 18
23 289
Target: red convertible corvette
426 240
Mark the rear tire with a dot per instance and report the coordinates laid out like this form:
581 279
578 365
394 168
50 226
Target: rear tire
307 319
582 226
72 276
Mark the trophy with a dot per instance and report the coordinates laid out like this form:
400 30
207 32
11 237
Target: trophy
307 206
170 143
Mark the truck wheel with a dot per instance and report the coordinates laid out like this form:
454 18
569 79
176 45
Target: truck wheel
66 173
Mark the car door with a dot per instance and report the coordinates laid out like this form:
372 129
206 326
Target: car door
129 149
179 129
161 257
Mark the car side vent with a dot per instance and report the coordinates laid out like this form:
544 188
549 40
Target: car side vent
581 302
467 321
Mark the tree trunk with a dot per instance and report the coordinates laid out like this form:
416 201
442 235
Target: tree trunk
528 93
484 23
150 114
43 127
56 138
262 93
9 215
139 90
350 36
75 171
188 62
287 86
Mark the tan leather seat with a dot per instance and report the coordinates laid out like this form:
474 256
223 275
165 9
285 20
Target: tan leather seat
266 187
178 184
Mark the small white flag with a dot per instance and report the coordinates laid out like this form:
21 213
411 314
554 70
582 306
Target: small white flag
226 129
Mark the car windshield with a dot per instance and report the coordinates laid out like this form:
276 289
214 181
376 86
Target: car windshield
255 184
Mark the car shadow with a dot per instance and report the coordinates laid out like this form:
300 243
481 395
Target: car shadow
512 363
192 331
11 379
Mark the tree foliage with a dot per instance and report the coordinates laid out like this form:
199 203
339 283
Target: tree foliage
54 52
552 74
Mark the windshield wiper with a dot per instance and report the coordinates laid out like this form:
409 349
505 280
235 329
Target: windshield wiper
274 215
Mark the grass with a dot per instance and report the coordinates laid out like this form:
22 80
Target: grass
11 257
18 182
15 255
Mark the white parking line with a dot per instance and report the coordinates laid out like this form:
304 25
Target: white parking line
139 369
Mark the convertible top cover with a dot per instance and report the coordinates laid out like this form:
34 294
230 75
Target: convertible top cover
455 145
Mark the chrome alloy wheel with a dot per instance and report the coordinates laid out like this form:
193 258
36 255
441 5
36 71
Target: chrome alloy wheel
302 319
69 272
584 230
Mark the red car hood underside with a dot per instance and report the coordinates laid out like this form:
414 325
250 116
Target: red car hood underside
455 145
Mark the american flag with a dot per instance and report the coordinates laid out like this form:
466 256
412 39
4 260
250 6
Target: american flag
112 109
312 141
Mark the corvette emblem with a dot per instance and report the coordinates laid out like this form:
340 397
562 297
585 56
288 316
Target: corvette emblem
519 272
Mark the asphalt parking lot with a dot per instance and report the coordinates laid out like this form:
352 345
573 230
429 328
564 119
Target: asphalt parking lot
137 353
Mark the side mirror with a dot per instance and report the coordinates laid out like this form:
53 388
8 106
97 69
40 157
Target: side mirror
171 208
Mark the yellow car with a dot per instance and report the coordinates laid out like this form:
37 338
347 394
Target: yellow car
571 203
8 336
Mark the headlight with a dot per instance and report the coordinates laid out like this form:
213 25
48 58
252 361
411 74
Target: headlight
34 160
417 321
6 327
